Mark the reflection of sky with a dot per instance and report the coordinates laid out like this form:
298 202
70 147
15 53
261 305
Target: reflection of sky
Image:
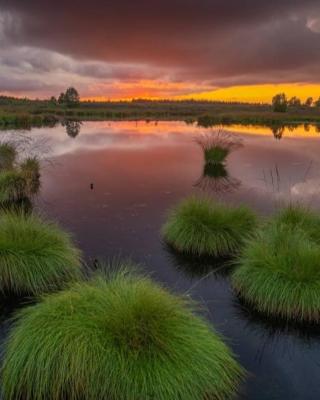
286 168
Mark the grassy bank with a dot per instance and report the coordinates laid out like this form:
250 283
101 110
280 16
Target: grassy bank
29 113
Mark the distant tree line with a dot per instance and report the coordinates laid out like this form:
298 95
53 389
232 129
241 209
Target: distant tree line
281 103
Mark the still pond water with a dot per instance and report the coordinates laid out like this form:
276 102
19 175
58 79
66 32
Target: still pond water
111 184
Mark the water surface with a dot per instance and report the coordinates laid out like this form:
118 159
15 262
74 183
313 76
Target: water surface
111 184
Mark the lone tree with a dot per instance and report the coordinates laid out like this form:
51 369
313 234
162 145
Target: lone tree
317 102
70 97
280 103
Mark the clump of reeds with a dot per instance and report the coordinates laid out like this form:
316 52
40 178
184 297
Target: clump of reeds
202 226
12 186
217 145
279 269
8 154
30 170
124 337
36 256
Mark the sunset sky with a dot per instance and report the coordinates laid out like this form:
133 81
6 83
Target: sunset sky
245 50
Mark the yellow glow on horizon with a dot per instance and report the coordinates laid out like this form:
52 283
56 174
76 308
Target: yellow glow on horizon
259 93
155 90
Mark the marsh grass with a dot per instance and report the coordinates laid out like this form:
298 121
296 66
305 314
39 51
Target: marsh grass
12 186
201 226
8 154
126 339
279 270
217 145
297 216
36 256
30 170
23 205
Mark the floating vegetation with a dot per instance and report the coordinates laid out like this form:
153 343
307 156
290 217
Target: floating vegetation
121 338
216 178
8 154
217 145
279 270
35 255
204 227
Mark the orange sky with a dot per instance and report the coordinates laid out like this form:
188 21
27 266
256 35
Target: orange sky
251 93
228 50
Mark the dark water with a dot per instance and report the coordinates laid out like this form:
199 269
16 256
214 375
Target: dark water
112 184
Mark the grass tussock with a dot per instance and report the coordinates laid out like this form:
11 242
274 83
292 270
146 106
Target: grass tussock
8 154
12 186
125 338
17 181
279 270
30 170
35 255
217 145
300 217
202 226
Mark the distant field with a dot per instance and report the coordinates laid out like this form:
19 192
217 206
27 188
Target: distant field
26 113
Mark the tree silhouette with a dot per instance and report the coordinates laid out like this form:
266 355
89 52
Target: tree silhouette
280 103
294 102
61 98
309 102
72 97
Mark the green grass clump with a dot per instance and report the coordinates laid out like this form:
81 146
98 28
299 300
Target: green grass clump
12 186
217 145
30 170
35 256
216 155
300 217
8 154
124 338
279 270
201 226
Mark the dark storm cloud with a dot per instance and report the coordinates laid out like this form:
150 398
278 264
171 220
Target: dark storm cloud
219 41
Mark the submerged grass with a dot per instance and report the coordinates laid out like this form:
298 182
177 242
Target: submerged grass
279 270
35 255
202 226
125 338
8 154
30 170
